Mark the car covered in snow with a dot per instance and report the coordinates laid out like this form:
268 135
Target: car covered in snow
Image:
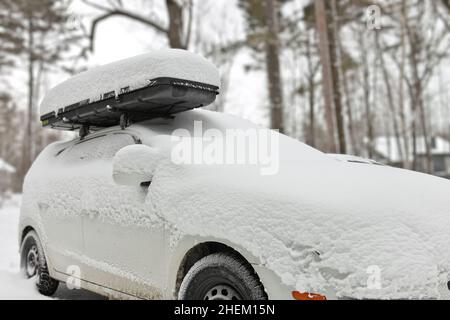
116 208
159 209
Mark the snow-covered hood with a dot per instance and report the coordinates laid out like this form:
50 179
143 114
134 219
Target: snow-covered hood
357 229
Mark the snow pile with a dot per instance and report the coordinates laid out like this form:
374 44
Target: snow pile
134 73
12 284
15 287
9 248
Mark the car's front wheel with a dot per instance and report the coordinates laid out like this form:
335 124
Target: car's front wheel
34 264
221 276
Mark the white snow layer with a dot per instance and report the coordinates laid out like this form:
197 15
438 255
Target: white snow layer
12 284
322 227
320 224
134 73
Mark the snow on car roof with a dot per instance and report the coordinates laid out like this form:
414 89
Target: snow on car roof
132 73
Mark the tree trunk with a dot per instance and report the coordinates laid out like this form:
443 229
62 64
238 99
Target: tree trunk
390 96
311 94
366 90
175 33
327 73
375 109
333 31
273 66
312 113
29 139
349 107
407 162
417 94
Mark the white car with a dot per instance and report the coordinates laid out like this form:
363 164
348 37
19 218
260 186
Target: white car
202 205
116 213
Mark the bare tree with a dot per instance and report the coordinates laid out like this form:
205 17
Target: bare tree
48 38
407 162
177 32
390 95
311 75
222 55
327 73
273 69
428 46
444 14
416 91
366 87
333 30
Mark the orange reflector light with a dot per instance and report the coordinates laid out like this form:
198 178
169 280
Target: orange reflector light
307 296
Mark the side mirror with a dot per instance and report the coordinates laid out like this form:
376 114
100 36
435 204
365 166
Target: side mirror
135 164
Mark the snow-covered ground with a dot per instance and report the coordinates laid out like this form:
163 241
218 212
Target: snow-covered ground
12 284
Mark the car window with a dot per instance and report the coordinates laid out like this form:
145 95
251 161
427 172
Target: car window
98 147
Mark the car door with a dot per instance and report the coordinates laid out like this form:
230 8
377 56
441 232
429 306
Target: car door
123 239
57 199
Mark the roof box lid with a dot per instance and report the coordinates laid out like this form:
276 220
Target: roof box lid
129 75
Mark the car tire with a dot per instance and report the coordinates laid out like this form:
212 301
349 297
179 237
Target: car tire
221 276
34 264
